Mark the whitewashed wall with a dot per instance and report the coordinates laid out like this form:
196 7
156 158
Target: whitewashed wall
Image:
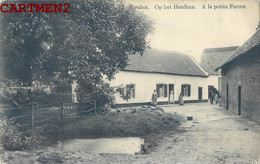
145 83
213 80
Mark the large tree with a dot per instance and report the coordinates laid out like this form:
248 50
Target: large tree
90 43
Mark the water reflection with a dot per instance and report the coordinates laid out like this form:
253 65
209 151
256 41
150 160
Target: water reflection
129 145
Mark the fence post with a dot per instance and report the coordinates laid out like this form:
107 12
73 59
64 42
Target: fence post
95 106
32 117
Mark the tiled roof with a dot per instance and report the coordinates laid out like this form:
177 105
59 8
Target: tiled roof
212 57
156 61
220 49
250 43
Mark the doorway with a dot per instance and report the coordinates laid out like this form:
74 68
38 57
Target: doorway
171 94
239 100
209 89
227 97
200 94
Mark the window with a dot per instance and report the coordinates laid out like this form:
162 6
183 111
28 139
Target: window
130 90
185 90
161 90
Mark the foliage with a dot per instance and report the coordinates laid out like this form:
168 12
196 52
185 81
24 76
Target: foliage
111 33
121 90
23 37
11 138
101 93
13 93
86 46
62 86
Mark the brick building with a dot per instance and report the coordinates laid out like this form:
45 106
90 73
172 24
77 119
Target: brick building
241 80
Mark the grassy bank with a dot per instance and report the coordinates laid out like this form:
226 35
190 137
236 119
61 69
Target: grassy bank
138 121
143 121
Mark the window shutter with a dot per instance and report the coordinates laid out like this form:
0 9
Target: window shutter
133 91
165 90
128 90
182 90
157 90
188 90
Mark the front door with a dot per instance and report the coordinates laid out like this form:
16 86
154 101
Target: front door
171 94
239 100
200 94
227 98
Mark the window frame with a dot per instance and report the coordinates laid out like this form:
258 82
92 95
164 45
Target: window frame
131 91
186 90
164 90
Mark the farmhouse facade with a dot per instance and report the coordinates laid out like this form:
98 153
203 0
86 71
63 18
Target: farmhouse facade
169 73
241 80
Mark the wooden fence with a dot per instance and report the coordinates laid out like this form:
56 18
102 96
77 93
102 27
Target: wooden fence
29 117
47 115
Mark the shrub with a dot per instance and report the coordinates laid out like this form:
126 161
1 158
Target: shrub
102 93
13 138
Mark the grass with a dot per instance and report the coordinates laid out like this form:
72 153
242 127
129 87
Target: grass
140 121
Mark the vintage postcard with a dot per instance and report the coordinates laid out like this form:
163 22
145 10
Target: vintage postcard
130 81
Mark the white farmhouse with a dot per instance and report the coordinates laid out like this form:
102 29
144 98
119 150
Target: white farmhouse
169 73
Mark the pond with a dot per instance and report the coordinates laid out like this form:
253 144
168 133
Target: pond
129 145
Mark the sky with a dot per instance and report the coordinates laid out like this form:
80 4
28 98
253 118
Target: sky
192 30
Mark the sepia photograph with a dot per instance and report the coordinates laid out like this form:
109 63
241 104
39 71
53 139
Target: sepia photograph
129 81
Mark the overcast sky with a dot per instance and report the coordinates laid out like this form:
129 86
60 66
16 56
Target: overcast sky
192 30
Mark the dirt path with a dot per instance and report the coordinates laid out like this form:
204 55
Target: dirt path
214 136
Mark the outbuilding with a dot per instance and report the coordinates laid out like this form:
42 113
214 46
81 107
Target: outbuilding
241 80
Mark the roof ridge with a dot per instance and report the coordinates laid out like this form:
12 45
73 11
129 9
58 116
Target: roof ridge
165 62
195 61
232 56
166 51
219 49
223 48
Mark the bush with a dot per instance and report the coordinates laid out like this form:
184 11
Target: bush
102 93
12 138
